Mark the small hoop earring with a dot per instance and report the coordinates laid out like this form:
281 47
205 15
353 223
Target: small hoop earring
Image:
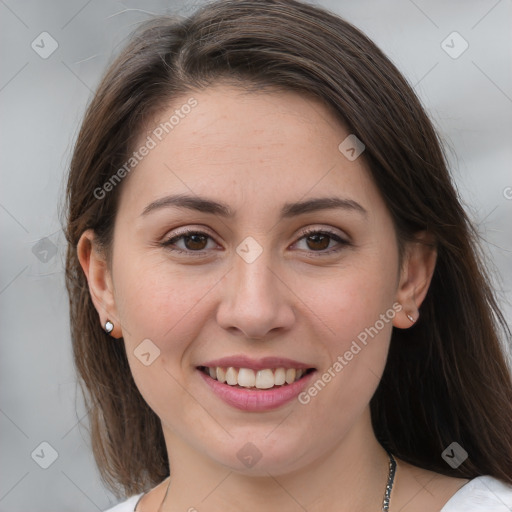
411 318
109 326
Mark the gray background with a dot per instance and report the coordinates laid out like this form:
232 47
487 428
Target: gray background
42 101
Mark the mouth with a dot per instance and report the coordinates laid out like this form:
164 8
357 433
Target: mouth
262 379
255 384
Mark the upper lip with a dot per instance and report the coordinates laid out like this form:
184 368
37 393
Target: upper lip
256 364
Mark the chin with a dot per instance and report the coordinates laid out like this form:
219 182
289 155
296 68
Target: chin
258 455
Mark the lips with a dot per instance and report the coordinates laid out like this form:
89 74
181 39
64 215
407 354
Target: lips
255 385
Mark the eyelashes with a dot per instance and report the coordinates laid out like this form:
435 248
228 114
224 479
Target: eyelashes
197 237
195 242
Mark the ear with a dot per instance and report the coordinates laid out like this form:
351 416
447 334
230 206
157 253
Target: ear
418 266
95 267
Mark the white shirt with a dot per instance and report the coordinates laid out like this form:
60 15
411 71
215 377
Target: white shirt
482 494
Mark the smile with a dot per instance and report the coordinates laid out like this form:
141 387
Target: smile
267 378
255 390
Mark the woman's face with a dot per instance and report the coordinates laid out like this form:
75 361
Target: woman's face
295 266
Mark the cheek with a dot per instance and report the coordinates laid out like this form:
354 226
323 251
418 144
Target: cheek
154 301
356 306
165 307
353 298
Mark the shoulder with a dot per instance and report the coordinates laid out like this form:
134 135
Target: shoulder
126 506
481 494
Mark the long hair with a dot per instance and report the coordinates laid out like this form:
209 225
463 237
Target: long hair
446 379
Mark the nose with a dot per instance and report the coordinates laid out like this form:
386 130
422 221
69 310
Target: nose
255 300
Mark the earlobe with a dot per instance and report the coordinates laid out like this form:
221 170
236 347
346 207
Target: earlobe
416 274
94 265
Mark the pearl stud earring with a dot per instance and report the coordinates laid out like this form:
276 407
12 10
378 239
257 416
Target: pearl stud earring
109 326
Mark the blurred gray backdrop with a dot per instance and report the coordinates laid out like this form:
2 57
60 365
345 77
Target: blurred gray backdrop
457 54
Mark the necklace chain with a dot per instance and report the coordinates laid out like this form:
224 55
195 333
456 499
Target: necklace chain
389 485
387 493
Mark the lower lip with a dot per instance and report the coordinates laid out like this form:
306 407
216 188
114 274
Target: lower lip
254 401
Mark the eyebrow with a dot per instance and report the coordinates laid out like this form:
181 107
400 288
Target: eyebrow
205 205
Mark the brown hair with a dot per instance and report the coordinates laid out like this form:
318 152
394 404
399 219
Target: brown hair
446 379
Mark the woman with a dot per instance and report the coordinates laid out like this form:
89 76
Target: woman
276 297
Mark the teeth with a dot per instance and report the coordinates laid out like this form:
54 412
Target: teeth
232 376
221 374
280 376
265 379
246 378
261 379
290 375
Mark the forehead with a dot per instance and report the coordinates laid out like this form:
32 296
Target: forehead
245 146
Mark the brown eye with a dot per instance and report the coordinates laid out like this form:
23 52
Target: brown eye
188 242
321 242
318 241
195 242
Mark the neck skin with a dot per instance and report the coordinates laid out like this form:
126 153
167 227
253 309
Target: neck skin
351 477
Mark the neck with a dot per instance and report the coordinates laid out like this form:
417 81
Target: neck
351 476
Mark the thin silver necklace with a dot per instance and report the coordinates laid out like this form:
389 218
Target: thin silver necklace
389 485
387 493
